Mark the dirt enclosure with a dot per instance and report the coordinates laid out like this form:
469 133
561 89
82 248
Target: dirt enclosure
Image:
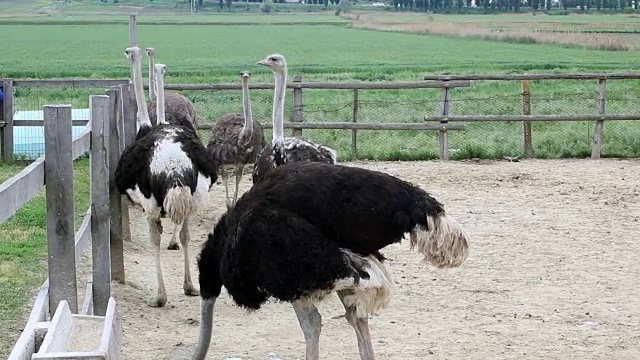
553 273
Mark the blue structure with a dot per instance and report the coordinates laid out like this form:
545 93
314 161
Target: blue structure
28 141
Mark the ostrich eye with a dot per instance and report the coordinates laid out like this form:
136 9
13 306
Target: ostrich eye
273 59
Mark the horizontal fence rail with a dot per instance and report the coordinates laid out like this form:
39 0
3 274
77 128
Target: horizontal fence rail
480 118
324 85
71 83
459 103
507 77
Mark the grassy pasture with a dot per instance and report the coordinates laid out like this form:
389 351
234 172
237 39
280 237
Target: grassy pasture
216 53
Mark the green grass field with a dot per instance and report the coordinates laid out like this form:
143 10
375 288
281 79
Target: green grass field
215 53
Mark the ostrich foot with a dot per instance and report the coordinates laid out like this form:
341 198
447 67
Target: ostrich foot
157 301
190 290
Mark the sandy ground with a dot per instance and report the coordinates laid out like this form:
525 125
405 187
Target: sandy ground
552 274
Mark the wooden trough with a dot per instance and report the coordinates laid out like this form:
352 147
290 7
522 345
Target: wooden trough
82 337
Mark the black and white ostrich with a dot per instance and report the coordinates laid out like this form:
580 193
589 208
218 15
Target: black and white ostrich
311 228
285 149
168 172
236 139
178 108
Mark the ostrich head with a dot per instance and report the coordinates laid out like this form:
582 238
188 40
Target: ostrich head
161 69
245 75
150 51
275 62
132 53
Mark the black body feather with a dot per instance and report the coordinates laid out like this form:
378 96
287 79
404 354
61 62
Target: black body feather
283 237
134 164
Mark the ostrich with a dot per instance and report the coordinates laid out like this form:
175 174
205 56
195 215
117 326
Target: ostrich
311 228
178 109
236 140
285 149
167 172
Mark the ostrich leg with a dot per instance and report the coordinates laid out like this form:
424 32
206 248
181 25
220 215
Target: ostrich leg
188 287
225 181
310 323
173 244
239 171
361 325
155 231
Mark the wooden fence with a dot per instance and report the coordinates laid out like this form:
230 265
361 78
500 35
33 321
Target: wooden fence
527 118
441 123
104 223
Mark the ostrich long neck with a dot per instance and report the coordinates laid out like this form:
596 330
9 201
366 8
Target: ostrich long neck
247 130
278 106
143 115
160 97
152 78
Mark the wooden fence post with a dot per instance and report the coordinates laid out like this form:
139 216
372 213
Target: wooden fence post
133 30
526 110
59 196
115 199
7 115
133 34
442 134
596 149
298 105
354 132
127 101
100 249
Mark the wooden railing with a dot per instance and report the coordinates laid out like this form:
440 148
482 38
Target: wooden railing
527 118
104 223
443 122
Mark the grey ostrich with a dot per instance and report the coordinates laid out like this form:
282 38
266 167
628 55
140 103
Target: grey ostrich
285 149
178 109
236 140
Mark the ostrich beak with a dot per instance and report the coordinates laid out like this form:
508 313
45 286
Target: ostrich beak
262 62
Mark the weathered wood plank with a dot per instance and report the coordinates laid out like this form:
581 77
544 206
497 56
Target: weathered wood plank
443 138
354 132
61 324
83 235
586 76
41 123
298 105
129 109
27 343
325 85
469 118
115 199
596 148
359 126
72 83
81 144
100 225
59 198
25 346
112 333
526 110
7 117
87 304
21 188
